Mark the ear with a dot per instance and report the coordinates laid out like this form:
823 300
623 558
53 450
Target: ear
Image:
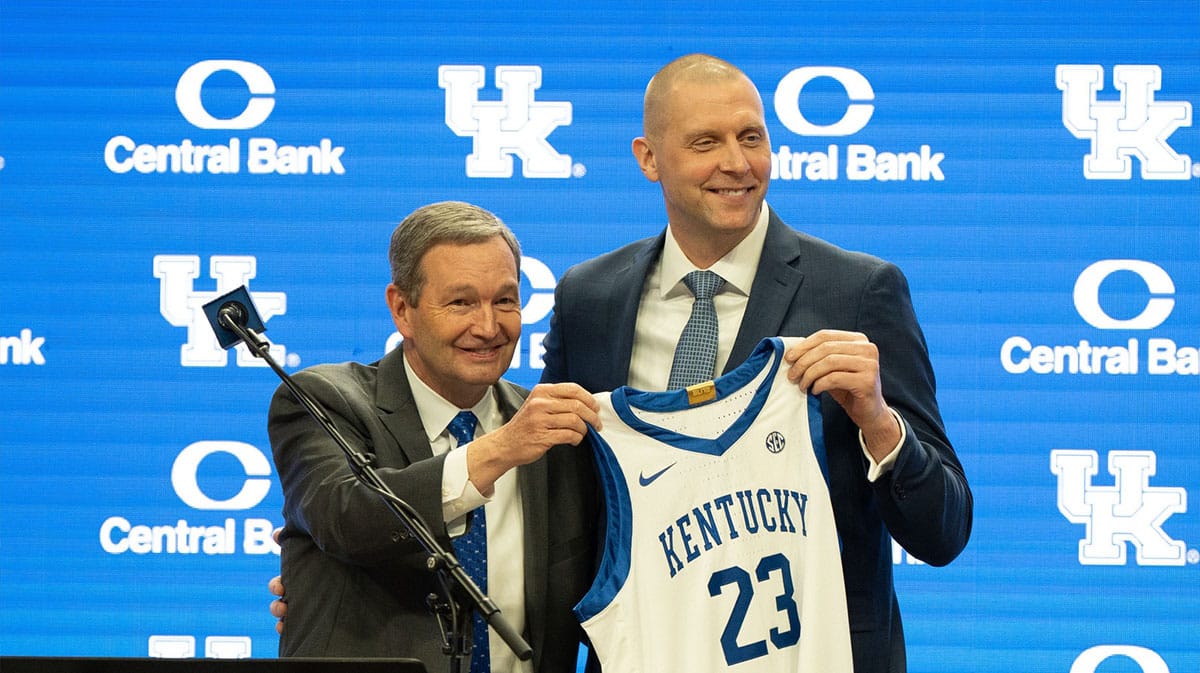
645 158
401 310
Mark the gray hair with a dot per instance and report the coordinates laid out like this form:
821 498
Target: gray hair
442 222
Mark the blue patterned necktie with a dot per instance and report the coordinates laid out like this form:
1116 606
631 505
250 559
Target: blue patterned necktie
471 550
696 352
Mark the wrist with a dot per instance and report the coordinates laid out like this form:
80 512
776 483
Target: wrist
882 437
484 466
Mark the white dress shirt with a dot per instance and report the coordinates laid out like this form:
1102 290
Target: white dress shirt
666 305
505 518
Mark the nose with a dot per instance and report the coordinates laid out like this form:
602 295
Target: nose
733 159
485 325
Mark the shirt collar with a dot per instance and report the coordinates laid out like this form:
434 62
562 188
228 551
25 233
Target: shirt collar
737 267
436 412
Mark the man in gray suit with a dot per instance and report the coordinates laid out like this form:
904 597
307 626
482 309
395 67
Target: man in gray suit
617 319
358 579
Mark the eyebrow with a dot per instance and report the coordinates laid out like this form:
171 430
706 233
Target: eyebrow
465 287
708 131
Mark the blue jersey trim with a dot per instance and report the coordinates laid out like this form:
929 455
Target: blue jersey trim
816 434
768 354
618 534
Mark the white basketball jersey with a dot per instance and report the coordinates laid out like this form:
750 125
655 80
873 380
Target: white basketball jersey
721 552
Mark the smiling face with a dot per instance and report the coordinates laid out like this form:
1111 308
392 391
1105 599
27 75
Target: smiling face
460 336
707 147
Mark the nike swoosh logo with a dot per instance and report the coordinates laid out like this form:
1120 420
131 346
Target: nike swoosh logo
646 481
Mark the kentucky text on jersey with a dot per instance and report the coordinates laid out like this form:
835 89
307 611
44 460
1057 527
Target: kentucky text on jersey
764 510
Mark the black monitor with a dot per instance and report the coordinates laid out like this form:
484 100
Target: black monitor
155 665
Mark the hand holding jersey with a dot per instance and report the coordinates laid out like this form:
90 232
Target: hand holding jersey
706 145
846 365
553 414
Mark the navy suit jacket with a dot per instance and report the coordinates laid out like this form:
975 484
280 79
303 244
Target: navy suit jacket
356 580
804 284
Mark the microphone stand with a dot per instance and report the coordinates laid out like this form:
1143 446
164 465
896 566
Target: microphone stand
453 620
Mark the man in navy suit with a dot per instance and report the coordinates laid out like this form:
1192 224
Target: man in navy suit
617 318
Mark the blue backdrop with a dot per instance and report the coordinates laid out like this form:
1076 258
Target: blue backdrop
1029 165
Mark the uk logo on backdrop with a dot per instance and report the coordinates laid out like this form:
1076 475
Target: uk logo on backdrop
516 125
1136 125
1131 511
182 304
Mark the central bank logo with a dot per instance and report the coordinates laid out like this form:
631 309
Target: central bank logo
516 124
1137 125
225 155
252 479
1146 306
183 306
1129 511
1160 301
854 119
257 80
854 161
24 349
185 471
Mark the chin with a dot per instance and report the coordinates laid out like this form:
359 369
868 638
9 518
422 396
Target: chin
735 225
487 372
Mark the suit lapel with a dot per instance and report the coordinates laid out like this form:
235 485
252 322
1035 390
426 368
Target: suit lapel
533 486
775 285
398 410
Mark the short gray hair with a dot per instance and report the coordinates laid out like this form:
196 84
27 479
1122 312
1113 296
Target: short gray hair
442 222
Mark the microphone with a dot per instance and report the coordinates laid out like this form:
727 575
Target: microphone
233 318
231 313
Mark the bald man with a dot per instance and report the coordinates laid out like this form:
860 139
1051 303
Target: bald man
892 471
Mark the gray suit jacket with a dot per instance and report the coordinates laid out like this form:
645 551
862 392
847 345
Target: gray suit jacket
804 284
355 579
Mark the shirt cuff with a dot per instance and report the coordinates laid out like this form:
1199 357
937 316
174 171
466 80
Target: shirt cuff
877 470
459 495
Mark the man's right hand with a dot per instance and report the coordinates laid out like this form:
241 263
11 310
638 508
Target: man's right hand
553 414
